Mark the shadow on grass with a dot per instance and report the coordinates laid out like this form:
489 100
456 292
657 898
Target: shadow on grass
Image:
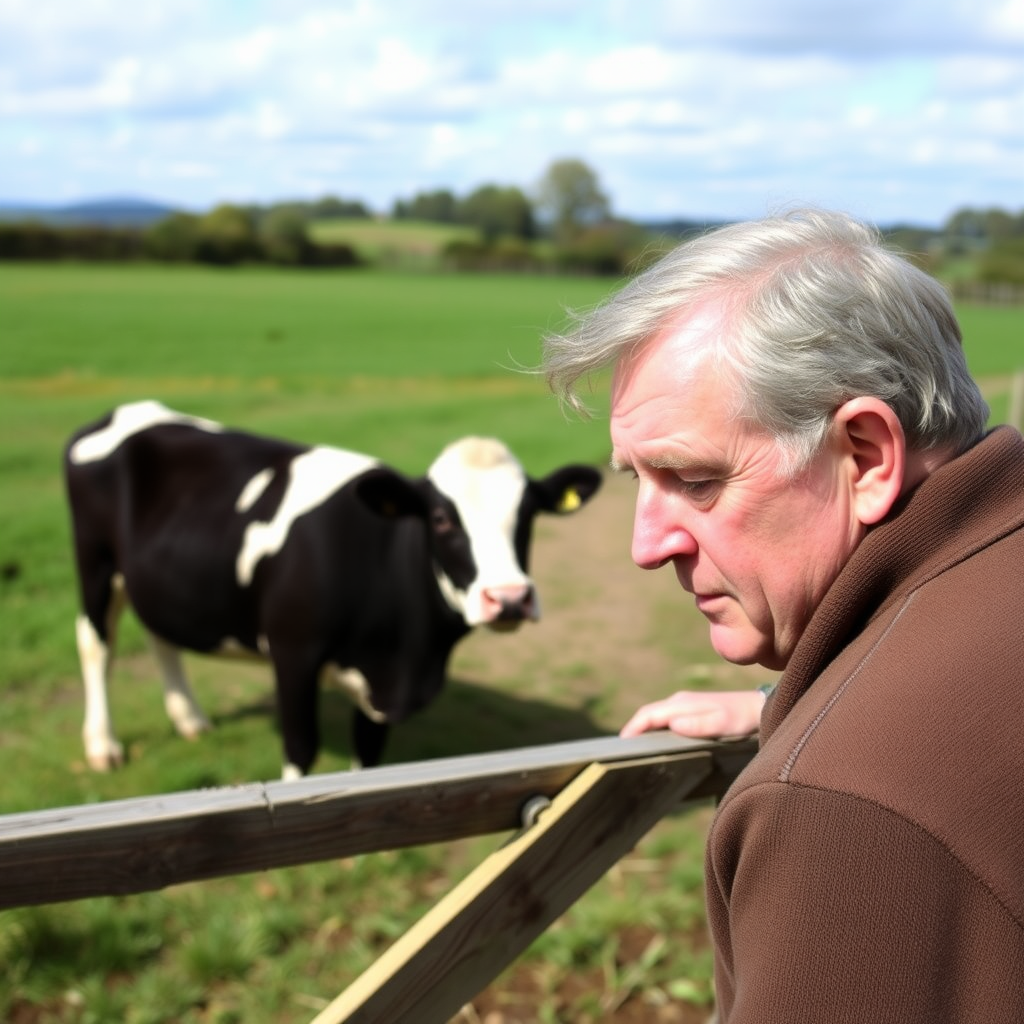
466 718
471 718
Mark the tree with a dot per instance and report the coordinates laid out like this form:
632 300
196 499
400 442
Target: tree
283 232
1001 226
227 236
965 231
570 198
1003 263
175 238
440 206
498 212
331 207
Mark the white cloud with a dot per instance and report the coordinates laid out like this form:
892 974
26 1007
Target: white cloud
683 107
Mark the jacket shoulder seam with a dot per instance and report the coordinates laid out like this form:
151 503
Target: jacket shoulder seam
910 823
794 754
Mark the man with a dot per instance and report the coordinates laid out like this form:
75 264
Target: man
812 460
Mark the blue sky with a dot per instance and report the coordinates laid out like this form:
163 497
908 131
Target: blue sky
890 109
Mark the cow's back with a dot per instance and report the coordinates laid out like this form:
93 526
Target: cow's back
165 507
174 477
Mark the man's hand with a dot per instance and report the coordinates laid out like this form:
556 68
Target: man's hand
701 714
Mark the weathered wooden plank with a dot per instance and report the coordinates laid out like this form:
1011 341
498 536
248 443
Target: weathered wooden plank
495 913
147 843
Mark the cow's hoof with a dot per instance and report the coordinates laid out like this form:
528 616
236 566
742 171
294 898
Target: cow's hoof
193 727
105 758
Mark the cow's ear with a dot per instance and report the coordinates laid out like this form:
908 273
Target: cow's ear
567 489
391 495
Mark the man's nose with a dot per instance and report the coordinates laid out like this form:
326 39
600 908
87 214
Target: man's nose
658 536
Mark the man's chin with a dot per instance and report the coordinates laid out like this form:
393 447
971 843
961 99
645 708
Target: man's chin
739 649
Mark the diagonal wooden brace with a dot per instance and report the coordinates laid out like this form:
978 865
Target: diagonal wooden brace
491 917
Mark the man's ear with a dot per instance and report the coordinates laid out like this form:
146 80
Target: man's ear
871 437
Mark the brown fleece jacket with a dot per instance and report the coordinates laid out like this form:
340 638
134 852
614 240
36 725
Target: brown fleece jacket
868 865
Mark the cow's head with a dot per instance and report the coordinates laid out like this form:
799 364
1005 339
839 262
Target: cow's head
479 506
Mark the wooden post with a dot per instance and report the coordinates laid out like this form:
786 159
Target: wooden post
500 908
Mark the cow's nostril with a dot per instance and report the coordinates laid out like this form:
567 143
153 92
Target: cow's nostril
509 603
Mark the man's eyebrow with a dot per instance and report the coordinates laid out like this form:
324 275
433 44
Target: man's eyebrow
673 462
681 462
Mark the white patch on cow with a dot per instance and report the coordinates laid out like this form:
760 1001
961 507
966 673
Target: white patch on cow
487 483
312 478
128 420
354 684
253 489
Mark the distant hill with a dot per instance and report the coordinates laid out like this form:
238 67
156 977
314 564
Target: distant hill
112 212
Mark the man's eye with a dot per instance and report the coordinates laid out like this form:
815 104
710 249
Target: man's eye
699 490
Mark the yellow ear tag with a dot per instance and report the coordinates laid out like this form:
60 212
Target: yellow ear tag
570 500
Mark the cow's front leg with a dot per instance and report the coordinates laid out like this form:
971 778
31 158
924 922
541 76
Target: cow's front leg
368 739
179 701
103 751
103 601
297 693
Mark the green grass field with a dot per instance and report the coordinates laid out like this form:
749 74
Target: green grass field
392 364
392 243
395 364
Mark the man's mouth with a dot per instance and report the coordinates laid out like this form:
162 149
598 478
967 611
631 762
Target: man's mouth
708 603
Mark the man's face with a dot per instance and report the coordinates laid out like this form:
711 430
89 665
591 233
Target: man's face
757 551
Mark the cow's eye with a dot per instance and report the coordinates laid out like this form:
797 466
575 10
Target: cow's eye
441 521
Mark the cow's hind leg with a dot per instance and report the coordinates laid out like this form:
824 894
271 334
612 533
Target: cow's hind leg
296 678
369 726
179 701
96 631
368 739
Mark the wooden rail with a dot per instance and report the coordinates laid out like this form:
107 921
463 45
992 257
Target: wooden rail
597 799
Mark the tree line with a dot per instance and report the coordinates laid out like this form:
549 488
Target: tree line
569 212
225 236
567 223
984 246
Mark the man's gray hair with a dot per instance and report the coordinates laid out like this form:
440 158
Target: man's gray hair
817 311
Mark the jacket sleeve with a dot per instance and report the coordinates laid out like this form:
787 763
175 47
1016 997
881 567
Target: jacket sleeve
829 909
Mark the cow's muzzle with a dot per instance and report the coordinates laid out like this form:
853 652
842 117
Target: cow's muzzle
506 608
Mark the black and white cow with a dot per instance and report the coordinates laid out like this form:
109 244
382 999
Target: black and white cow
326 562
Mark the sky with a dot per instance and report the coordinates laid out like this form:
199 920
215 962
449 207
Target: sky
892 110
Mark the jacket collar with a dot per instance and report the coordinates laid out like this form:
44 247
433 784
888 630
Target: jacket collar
963 506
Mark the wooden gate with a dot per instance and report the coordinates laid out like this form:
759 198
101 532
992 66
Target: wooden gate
574 808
